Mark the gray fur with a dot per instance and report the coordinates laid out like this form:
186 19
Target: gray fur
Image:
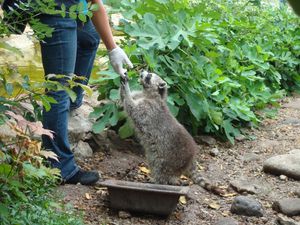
169 148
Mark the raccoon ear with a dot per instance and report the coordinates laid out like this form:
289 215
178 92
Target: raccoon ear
162 90
162 85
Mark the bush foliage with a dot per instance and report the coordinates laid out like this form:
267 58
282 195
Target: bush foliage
222 60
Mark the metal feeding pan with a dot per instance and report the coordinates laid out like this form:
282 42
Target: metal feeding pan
143 197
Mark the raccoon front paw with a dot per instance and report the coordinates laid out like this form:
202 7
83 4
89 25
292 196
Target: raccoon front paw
124 79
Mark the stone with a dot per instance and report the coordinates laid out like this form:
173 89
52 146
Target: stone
288 206
79 123
26 46
240 137
283 177
124 214
292 122
227 221
102 142
243 185
294 104
297 193
247 206
249 185
214 152
295 151
283 220
204 139
82 150
250 157
288 164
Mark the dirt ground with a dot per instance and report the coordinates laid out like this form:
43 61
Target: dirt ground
243 161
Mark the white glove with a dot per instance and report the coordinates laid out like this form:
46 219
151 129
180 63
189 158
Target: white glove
117 58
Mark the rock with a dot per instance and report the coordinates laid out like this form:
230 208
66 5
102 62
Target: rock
250 157
82 150
283 177
208 140
243 185
292 122
295 151
288 206
283 220
102 143
240 137
79 123
243 205
124 215
249 185
297 192
294 104
214 152
25 44
227 221
287 164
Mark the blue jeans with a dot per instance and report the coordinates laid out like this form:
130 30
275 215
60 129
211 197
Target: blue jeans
70 50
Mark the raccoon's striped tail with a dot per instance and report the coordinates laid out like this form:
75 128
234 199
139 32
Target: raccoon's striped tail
203 182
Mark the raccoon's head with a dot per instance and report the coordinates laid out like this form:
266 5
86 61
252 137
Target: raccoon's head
152 83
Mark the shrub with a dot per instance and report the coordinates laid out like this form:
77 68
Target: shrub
222 60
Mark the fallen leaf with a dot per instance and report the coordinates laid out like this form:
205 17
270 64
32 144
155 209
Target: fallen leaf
199 167
144 170
101 188
214 205
226 213
182 200
88 196
178 216
229 195
182 177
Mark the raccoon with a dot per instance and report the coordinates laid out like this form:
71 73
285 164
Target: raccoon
169 148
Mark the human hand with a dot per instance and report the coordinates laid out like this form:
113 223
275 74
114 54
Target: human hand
117 58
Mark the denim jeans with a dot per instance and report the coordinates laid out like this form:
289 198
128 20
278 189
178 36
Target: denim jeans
70 50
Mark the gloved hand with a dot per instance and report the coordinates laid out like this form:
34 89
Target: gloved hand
117 58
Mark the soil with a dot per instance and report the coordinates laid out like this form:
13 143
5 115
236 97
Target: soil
243 160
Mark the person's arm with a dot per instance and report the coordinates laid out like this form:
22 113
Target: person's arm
101 23
116 55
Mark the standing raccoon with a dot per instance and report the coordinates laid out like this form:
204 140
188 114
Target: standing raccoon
169 148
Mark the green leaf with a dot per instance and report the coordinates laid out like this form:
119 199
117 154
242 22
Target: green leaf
94 7
82 17
230 131
4 210
107 115
9 88
126 130
5 170
100 125
194 104
114 94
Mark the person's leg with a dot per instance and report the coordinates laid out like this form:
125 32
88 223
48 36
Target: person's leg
87 44
58 57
